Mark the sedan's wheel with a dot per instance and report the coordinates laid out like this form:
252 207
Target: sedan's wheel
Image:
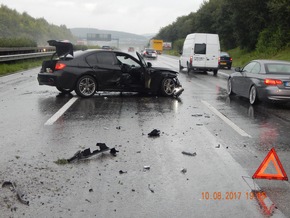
167 86
253 95
64 91
229 87
86 86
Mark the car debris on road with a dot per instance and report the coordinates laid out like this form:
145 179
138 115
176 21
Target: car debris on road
87 152
188 153
154 133
19 194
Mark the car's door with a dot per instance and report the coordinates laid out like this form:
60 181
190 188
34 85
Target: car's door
251 78
106 68
240 81
132 71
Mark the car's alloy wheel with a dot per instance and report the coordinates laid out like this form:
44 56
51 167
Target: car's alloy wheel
86 86
167 86
229 87
253 95
64 91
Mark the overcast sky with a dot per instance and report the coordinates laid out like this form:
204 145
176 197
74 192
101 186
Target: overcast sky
133 16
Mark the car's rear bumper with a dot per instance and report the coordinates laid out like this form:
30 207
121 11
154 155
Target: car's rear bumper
47 79
273 93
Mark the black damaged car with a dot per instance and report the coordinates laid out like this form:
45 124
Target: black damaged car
86 72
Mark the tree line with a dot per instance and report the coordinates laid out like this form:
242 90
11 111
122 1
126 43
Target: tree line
261 25
21 30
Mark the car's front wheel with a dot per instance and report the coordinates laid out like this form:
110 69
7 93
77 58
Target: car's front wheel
167 86
64 91
86 86
229 87
253 97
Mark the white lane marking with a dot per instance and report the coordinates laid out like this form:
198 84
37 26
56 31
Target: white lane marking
61 111
226 120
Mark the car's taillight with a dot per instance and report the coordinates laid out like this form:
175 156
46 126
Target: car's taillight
59 66
273 82
190 60
231 59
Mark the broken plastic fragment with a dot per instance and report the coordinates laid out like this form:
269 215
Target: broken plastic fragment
121 171
184 170
87 152
19 194
154 133
146 167
188 153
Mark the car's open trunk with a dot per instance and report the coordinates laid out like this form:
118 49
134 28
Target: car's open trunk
48 66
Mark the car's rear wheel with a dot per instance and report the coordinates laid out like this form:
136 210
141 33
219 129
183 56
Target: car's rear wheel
86 86
229 87
167 86
64 91
215 72
253 97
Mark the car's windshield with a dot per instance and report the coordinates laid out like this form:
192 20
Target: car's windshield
277 68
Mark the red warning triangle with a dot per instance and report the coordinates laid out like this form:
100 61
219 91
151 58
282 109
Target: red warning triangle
271 157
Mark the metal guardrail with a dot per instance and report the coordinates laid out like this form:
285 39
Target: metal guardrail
6 58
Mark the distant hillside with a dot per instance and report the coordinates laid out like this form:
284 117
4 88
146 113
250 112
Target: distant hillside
14 24
125 39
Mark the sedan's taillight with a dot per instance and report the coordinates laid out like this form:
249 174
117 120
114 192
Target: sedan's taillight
272 82
231 59
59 66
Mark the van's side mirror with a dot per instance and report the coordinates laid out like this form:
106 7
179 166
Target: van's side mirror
149 64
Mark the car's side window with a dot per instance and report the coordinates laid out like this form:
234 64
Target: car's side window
106 58
127 60
256 69
249 67
103 59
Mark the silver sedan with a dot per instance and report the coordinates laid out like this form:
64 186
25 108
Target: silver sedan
261 80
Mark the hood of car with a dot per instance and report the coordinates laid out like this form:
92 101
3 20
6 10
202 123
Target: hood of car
162 69
62 48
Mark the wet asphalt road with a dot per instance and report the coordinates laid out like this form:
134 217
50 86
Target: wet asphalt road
229 137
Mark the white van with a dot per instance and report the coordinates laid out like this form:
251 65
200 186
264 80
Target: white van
200 52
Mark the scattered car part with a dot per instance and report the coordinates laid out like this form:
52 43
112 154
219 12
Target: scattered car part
19 194
150 188
184 170
154 133
87 152
188 153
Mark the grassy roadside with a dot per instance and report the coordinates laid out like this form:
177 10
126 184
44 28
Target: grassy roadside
16 66
240 57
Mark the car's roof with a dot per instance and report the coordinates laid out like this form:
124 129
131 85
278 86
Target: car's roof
265 61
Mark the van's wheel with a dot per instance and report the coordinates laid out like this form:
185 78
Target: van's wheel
253 97
188 68
167 86
86 86
180 67
215 72
64 91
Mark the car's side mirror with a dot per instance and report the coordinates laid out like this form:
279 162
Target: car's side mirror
149 64
238 69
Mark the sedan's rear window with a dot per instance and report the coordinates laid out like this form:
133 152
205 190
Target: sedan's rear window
278 68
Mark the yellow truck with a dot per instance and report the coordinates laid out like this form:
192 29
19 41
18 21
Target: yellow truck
157 44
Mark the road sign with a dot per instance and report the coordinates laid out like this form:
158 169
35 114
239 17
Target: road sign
271 157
